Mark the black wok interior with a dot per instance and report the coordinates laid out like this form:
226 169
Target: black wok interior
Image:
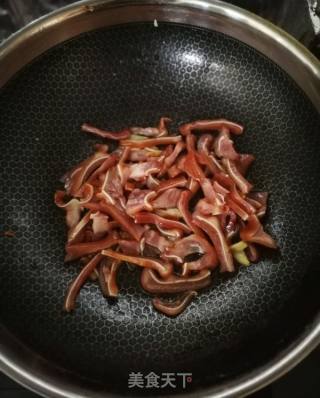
132 75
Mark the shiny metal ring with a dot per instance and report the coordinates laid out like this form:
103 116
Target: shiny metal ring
17 361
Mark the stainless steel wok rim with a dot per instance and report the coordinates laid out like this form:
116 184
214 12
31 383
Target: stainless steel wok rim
290 55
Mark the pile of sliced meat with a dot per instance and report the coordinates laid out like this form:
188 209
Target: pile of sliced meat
176 205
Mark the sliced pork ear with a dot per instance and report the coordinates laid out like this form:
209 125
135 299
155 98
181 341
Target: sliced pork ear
209 260
85 193
145 131
139 171
237 209
193 186
103 148
231 168
152 283
167 199
192 167
244 162
208 191
170 233
206 208
172 157
119 135
183 206
211 125
122 218
191 143
260 202
154 239
100 224
223 146
157 199
159 131
229 223
73 206
78 250
220 189
172 213
163 268
167 151
192 244
241 201
205 143
139 200
210 161
225 181
108 271
253 232
112 189
151 142
83 172
162 126
212 227
130 247
176 307
180 162
172 183
129 186
189 245
141 155
152 182
74 288
76 234
138 155
257 205
121 168
105 166
151 218
174 171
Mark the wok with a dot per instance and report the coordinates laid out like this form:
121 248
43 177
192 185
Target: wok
110 63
